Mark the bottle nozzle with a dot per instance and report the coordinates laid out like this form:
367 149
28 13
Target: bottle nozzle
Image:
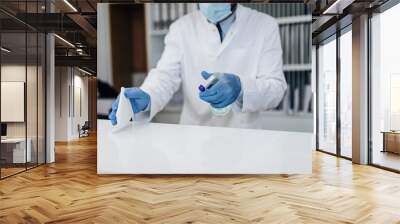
202 88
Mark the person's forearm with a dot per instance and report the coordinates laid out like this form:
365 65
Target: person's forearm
261 94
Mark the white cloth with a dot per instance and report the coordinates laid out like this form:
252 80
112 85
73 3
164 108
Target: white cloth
251 50
124 112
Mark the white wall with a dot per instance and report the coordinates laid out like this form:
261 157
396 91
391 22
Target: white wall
34 124
61 103
12 73
70 83
79 117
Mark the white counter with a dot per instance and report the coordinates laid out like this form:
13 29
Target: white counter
178 149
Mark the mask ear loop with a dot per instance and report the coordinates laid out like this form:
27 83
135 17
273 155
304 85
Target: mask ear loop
233 10
233 7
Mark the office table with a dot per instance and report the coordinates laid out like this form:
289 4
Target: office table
156 148
18 150
391 141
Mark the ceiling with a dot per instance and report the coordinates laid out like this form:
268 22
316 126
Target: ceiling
72 20
332 15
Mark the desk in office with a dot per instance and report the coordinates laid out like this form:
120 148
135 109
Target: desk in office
18 151
391 141
156 148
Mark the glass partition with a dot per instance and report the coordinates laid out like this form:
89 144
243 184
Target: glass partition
14 153
22 87
327 96
346 93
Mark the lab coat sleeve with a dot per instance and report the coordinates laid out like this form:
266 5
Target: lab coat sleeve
164 80
265 90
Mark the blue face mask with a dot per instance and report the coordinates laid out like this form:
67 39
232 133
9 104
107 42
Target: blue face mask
215 12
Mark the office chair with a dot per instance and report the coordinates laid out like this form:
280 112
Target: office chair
84 130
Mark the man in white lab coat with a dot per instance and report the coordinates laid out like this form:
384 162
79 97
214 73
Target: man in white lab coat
220 37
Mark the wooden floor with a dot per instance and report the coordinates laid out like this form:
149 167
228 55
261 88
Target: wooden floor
5 172
386 159
70 191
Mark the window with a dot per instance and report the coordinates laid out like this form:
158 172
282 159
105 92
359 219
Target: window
385 89
327 96
346 93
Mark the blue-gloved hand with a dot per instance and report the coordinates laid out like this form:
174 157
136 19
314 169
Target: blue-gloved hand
222 93
139 101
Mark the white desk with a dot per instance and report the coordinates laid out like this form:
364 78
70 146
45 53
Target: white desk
177 149
19 149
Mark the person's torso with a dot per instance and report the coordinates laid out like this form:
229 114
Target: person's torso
238 54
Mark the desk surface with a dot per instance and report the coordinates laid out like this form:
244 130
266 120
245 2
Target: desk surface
179 149
13 140
390 132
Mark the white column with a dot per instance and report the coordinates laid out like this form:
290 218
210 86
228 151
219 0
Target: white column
50 100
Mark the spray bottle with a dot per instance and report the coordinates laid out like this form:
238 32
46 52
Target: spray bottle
210 82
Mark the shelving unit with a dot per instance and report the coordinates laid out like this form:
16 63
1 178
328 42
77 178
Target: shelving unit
295 29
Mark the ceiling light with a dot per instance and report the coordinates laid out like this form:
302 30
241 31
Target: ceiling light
65 41
79 51
5 50
84 71
338 6
70 5
331 7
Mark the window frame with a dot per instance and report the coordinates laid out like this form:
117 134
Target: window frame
333 37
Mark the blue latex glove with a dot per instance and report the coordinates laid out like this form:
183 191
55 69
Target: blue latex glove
139 101
222 93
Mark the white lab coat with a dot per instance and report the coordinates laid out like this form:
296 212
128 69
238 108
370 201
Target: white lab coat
251 49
